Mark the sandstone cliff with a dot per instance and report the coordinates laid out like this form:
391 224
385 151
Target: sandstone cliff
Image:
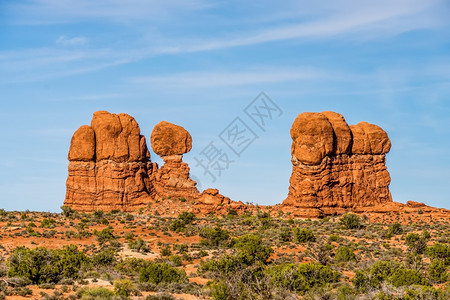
336 166
108 165
110 168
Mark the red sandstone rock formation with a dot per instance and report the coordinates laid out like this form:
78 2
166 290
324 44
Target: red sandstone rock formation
110 168
172 180
108 165
336 166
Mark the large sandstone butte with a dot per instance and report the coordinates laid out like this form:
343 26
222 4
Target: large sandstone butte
336 167
109 165
110 168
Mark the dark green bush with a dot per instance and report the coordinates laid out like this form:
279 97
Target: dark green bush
417 243
285 234
214 236
124 288
184 219
302 235
224 265
374 276
407 277
439 251
394 229
95 293
344 254
105 235
104 258
250 249
139 245
47 223
41 265
350 221
220 291
302 277
67 211
161 273
438 271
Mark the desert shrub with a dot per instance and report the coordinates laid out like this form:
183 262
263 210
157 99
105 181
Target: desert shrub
161 273
41 265
105 257
23 291
180 223
334 238
265 220
304 235
105 235
98 215
437 271
407 277
250 249
47 223
344 254
220 291
285 234
374 276
131 266
417 243
350 221
67 211
139 245
96 293
165 251
160 296
214 236
425 293
47 286
414 261
232 213
439 251
321 253
124 288
345 292
394 229
224 265
302 277
181 248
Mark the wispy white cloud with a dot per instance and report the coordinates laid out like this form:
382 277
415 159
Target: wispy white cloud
362 21
218 79
36 12
346 19
74 41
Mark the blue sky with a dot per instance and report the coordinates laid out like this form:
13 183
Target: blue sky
200 63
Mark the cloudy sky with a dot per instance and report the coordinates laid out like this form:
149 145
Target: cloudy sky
200 63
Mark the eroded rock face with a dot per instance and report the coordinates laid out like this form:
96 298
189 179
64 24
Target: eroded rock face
109 165
110 168
169 139
336 166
